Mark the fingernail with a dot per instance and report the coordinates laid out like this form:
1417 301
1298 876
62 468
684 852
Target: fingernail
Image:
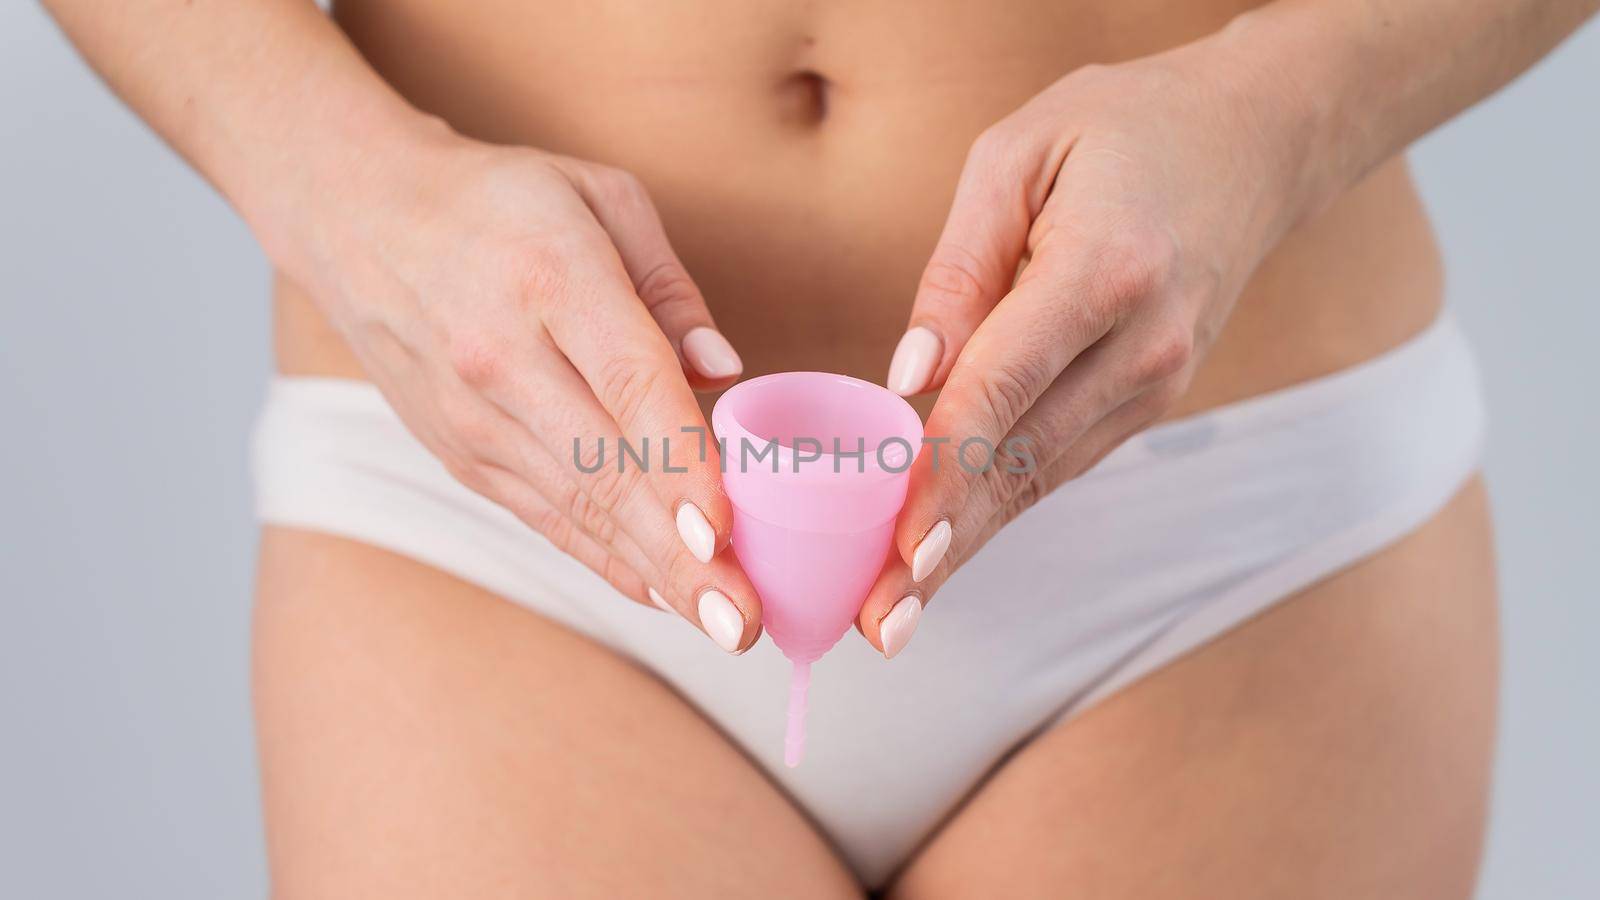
710 354
658 600
696 532
721 620
928 553
899 625
914 360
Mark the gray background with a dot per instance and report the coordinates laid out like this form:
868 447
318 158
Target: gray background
133 350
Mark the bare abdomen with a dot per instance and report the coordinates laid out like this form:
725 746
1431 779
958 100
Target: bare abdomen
803 156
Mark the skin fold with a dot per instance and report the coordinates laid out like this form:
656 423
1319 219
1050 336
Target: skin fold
526 222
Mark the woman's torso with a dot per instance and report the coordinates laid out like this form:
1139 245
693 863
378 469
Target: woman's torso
803 156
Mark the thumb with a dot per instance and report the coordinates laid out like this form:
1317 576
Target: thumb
622 206
975 261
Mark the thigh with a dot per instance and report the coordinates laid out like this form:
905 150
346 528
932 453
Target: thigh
422 738
1337 746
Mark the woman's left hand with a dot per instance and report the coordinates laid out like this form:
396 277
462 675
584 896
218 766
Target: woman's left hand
1097 241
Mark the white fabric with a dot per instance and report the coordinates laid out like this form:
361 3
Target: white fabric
1178 535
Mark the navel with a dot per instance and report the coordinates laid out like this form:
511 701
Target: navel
803 98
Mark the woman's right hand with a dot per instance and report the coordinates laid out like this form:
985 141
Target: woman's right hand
518 309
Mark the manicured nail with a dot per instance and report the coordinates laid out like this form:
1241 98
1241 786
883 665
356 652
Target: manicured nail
899 625
659 601
914 361
696 532
710 354
721 620
928 553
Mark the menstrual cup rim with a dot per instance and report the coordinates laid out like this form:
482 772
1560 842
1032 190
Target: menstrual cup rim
728 426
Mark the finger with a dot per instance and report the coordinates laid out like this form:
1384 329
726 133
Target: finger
508 489
551 400
527 480
495 456
717 598
1069 298
894 607
610 340
1001 190
1105 436
1009 362
1129 376
704 595
624 209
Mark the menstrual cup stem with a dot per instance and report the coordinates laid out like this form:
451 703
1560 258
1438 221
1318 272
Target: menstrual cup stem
794 740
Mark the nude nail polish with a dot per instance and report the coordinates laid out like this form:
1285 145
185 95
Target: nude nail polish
899 625
658 600
710 354
696 532
915 359
930 550
721 620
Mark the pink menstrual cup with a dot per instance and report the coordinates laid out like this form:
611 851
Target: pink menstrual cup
816 466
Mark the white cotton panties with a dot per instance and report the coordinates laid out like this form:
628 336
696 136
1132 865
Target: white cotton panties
1179 535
